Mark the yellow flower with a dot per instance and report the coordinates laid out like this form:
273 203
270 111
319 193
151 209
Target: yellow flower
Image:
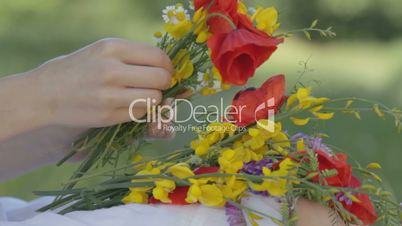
177 21
139 194
183 65
258 137
230 161
194 192
242 8
206 194
300 146
180 170
178 31
306 101
158 34
201 27
162 189
206 91
233 188
300 122
200 147
140 197
374 165
304 98
277 186
161 194
266 19
216 74
214 137
324 116
213 134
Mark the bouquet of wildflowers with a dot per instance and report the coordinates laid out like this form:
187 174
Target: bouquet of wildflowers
213 45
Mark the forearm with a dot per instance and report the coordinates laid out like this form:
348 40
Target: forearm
21 105
27 138
35 148
43 111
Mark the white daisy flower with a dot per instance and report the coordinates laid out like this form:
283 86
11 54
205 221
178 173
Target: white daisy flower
174 14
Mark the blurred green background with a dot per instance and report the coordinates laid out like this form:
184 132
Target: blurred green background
365 60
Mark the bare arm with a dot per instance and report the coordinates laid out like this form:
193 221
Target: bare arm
44 110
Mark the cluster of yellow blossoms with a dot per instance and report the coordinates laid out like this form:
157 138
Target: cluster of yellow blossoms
211 190
178 22
302 100
184 67
256 143
161 187
279 184
214 132
252 146
266 19
214 191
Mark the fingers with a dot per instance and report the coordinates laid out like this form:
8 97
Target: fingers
136 98
122 115
144 77
135 53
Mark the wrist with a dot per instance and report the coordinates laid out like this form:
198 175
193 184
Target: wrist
21 106
31 101
41 100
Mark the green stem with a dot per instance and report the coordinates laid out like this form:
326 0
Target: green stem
233 25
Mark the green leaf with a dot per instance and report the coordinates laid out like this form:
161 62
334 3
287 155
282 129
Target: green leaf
314 24
308 35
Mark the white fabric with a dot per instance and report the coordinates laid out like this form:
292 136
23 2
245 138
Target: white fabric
15 212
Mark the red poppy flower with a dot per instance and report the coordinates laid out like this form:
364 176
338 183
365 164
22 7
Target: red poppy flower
364 209
222 8
251 105
239 53
338 162
229 6
178 196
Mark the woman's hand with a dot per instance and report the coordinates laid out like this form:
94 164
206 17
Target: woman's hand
42 111
94 86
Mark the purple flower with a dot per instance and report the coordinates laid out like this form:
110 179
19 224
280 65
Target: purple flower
255 168
235 215
314 143
343 198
